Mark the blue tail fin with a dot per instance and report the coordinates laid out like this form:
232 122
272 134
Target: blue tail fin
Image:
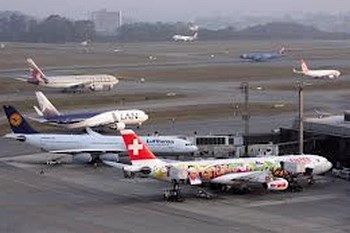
17 122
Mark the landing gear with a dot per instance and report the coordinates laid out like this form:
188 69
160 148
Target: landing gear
174 194
128 174
202 193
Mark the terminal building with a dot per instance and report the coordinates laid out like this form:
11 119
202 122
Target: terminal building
107 22
223 146
328 136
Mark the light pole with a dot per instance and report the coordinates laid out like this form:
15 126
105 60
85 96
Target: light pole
246 115
301 116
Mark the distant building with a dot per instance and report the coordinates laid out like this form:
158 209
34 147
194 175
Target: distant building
106 22
328 136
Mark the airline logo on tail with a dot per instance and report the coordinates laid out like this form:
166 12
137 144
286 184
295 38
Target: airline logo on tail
137 150
135 147
15 119
36 74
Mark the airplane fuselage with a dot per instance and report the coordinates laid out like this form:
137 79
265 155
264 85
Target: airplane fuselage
97 143
260 56
322 73
93 82
94 119
209 170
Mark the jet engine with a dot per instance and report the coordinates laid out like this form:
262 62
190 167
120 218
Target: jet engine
117 126
82 158
277 184
100 87
110 157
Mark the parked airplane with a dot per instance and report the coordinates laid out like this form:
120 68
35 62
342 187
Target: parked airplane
225 172
98 82
186 38
86 147
263 56
116 119
331 74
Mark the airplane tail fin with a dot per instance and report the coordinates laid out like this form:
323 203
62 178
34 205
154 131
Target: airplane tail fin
137 150
282 51
36 74
304 67
17 122
46 107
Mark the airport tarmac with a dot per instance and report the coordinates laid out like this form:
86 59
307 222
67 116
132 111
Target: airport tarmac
81 198
78 198
192 76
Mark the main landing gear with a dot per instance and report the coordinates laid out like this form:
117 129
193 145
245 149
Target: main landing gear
202 193
174 194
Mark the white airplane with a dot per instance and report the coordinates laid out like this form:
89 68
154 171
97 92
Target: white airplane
186 38
331 74
97 82
116 119
225 172
89 146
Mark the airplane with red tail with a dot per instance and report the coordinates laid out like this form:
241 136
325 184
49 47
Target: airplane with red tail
224 172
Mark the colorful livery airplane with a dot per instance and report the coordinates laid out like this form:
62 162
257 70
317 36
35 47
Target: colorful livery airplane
224 172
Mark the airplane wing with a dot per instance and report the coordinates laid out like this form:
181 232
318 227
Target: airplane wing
297 71
115 164
90 150
39 120
78 85
257 176
22 79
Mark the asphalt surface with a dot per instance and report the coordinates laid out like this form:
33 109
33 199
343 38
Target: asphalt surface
81 198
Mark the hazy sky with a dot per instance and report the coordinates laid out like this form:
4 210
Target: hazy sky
171 10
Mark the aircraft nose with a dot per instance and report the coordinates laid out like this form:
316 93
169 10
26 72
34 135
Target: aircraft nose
329 165
194 148
243 56
145 116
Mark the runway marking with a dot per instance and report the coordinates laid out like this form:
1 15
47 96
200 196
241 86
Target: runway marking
293 200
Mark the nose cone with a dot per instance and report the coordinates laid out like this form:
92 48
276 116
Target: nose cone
116 80
193 148
145 117
329 165
243 56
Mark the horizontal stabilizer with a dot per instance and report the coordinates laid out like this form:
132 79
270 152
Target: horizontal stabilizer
40 113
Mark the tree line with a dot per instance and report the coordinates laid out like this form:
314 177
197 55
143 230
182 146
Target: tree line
17 27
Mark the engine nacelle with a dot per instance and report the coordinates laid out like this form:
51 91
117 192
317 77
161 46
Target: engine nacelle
109 157
82 158
135 169
100 87
117 126
278 184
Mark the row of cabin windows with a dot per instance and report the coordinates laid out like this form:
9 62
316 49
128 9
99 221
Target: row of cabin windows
211 141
